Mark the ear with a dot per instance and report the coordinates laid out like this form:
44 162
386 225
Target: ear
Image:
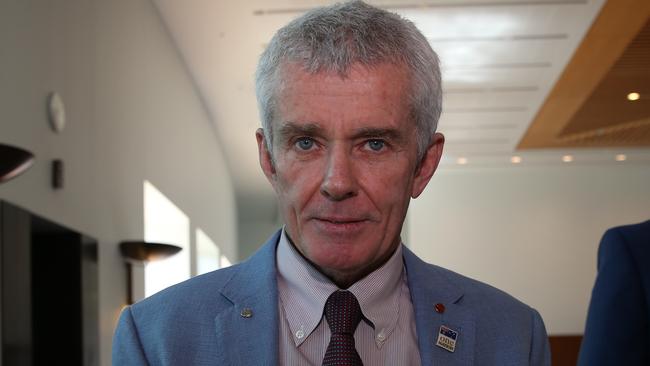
428 164
266 162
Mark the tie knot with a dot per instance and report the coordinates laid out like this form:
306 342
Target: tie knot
342 312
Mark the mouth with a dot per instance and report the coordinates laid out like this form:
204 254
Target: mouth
339 220
339 225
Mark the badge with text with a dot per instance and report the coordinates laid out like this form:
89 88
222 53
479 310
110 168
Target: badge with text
447 338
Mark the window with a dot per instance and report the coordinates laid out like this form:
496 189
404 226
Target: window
207 254
165 223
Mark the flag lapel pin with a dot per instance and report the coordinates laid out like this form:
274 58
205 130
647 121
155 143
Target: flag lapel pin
447 338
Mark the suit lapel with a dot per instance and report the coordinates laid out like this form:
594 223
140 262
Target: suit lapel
252 290
430 285
247 332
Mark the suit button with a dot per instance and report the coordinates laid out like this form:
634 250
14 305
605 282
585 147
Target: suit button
246 313
440 308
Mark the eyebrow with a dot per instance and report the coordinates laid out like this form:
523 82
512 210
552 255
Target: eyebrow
292 129
387 133
289 129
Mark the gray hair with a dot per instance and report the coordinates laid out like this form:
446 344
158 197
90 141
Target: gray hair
336 37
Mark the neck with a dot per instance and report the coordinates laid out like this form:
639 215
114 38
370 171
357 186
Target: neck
345 279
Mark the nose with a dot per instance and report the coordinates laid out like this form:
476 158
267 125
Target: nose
340 182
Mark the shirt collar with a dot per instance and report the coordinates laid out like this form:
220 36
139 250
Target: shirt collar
303 291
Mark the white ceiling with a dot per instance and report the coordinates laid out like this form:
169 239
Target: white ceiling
499 60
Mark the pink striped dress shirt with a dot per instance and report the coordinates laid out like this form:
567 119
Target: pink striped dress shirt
386 335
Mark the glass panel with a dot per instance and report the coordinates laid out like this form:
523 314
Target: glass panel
165 223
207 253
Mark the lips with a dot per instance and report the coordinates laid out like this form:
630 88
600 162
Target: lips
339 225
339 220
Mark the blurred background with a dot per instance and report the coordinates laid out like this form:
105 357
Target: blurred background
140 116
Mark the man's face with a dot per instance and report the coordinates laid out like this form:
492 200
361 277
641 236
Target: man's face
345 165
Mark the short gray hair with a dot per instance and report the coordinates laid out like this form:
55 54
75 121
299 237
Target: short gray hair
336 37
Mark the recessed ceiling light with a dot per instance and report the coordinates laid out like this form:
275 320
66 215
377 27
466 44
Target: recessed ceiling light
621 157
633 96
567 158
461 161
515 159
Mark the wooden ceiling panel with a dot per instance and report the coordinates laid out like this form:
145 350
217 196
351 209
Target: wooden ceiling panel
629 134
608 105
588 107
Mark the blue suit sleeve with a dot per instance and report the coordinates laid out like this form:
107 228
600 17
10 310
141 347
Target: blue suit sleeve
540 354
127 349
616 330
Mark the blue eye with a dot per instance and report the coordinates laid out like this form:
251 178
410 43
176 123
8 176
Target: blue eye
305 143
376 145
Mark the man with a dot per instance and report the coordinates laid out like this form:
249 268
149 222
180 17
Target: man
350 97
618 324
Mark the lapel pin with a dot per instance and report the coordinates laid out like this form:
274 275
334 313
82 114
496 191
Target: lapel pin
246 313
440 308
447 338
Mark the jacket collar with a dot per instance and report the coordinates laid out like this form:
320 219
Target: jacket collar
431 285
252 290
250 327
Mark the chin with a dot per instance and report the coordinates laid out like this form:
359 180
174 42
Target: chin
339 257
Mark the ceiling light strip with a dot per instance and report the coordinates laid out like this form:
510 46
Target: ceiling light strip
512 65
512 38
466 4
485 109
504 89
480 141
298 10
455 127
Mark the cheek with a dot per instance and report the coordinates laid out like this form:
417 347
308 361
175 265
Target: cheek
296 184
388 185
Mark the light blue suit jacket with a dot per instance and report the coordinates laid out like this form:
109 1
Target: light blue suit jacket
200 322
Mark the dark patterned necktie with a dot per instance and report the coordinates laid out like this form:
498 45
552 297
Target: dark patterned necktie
343 314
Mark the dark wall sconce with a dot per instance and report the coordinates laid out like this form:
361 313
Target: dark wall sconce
143 252
13 161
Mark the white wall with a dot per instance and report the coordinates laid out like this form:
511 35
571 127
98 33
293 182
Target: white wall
133 114
531 231
252 233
